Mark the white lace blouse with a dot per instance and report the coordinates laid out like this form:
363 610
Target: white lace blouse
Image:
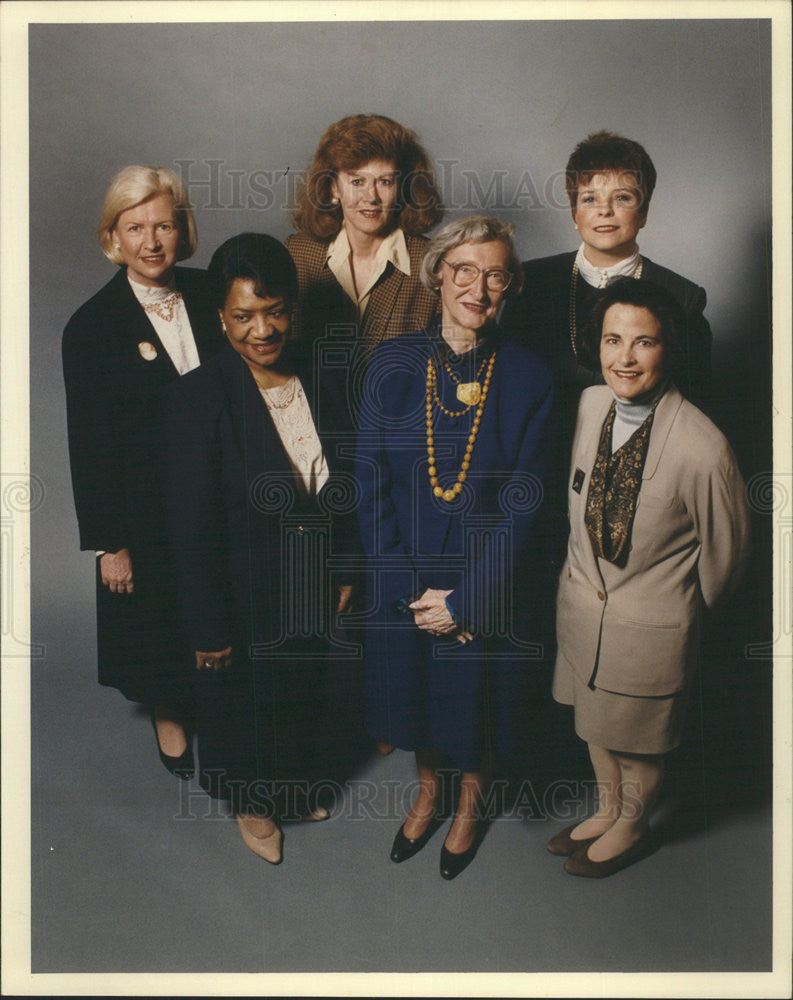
288 406
167 313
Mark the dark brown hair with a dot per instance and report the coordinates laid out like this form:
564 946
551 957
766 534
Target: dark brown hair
606 151
643 294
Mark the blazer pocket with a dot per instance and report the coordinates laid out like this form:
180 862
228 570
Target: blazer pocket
660 501
645 624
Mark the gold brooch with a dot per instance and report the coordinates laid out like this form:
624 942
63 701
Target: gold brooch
147 351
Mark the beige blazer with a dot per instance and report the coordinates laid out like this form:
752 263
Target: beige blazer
635 630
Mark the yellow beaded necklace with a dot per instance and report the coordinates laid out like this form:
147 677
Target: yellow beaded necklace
432 397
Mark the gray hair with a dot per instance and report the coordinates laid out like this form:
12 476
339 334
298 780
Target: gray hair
471 229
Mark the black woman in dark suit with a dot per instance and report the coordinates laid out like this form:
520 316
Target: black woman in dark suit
259 499
151 323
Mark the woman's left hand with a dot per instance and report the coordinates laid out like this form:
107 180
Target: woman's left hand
345 597
431 614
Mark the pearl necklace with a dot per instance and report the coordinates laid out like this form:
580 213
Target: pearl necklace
636 274
270 395
163 307
432 395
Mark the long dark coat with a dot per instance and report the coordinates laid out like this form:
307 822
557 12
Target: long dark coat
256 570
114 426
424 691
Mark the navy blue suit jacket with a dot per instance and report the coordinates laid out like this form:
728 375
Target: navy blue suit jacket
470 545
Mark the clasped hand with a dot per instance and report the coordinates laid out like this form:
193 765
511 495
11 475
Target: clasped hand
431 615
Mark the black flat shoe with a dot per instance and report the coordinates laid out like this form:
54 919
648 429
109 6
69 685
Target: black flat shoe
183 766
453 864
404 848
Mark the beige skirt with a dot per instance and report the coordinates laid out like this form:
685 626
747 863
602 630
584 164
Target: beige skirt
623 722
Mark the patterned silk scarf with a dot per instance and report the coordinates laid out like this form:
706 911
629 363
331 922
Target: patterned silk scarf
614 488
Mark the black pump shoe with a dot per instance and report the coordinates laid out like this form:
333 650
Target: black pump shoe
184 765
453 864
404 848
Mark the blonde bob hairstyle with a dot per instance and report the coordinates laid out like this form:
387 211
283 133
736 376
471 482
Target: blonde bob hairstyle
350 143
134 185
471 229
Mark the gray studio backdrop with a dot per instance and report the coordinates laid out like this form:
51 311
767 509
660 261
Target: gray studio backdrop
498 105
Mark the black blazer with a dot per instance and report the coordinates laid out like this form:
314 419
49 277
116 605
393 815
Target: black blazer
540 318
236 522
112 400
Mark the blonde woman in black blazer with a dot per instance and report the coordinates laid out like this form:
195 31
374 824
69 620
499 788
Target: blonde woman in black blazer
115 365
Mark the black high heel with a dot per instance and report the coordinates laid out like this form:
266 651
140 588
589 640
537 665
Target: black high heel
405 847
184 765
453 864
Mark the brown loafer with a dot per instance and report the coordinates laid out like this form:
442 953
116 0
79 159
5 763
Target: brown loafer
581 864
563 845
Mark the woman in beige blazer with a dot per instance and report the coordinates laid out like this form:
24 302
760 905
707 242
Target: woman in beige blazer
659 531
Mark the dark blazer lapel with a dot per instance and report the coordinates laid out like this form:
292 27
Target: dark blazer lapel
136 327
257 439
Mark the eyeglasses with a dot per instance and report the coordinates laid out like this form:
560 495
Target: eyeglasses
464 274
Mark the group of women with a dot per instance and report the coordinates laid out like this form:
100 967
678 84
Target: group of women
241 494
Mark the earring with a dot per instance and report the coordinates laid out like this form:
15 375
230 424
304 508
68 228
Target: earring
334 201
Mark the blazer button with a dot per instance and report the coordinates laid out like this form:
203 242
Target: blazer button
601 596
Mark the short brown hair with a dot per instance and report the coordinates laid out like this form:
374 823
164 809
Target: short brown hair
132 186
350 143
606 151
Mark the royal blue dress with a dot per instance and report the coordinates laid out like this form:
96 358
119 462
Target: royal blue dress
425 691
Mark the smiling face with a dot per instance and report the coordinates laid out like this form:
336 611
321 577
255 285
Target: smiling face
256 328
148 240
631 350
473 307
368 197
608 215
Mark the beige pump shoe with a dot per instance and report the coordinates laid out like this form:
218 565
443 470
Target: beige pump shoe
267 846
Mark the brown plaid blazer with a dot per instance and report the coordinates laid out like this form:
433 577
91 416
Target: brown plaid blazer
398 303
